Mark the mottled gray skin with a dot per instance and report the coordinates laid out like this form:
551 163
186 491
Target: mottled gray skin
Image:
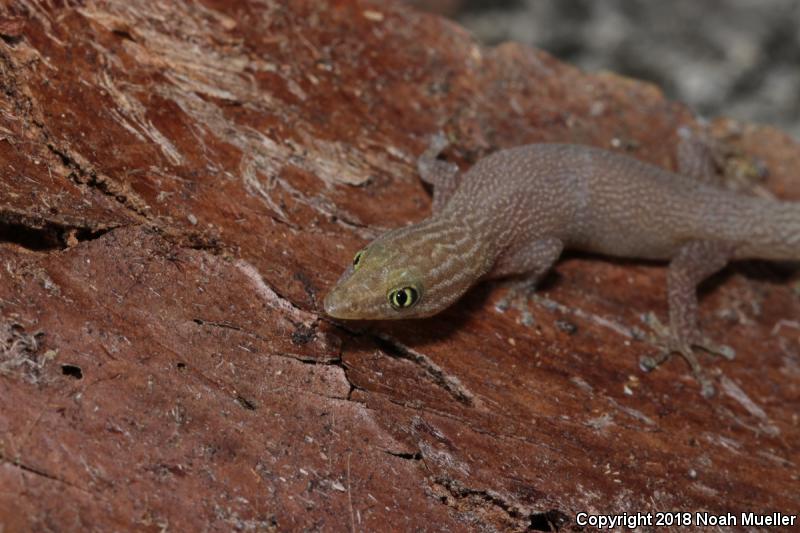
514 212
600 201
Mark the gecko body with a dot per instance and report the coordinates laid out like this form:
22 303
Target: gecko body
515 211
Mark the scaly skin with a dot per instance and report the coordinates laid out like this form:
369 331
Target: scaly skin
514 212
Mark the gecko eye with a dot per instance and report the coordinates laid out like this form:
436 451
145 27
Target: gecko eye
403 297
357 258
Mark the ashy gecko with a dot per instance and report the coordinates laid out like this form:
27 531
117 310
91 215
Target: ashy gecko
514 212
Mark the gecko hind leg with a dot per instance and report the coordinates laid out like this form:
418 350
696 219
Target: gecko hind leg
693 263
441 175
699 156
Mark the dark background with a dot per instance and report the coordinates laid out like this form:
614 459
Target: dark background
738 58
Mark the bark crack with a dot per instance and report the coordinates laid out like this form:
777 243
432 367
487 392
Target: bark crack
451 384
41 235
489 503
41 473
93 180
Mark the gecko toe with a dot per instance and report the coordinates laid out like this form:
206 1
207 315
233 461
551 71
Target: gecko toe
649 363
715 348
438 141
707 389
527 318
503 305
518 298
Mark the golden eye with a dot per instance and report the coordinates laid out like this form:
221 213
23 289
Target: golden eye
357 258
403 298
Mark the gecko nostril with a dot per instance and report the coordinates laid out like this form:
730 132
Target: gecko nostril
329 304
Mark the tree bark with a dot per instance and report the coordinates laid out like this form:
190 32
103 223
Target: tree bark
182 182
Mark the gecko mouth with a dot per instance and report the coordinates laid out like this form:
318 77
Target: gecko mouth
336 308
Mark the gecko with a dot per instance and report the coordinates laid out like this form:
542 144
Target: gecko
514 212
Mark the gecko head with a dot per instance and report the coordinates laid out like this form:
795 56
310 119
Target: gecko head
394 277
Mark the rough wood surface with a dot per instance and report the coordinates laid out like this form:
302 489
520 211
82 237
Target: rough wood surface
180 184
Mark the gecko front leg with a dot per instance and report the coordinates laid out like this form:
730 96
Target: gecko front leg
533 262
693 263
441 175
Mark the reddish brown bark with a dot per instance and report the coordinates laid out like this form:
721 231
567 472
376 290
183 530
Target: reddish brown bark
180 185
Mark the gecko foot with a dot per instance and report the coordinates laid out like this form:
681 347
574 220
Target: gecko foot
518 297
673 344
535 259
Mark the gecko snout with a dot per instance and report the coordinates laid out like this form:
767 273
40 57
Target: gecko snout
336 305
331 305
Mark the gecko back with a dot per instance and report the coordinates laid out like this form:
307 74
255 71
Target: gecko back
600 201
